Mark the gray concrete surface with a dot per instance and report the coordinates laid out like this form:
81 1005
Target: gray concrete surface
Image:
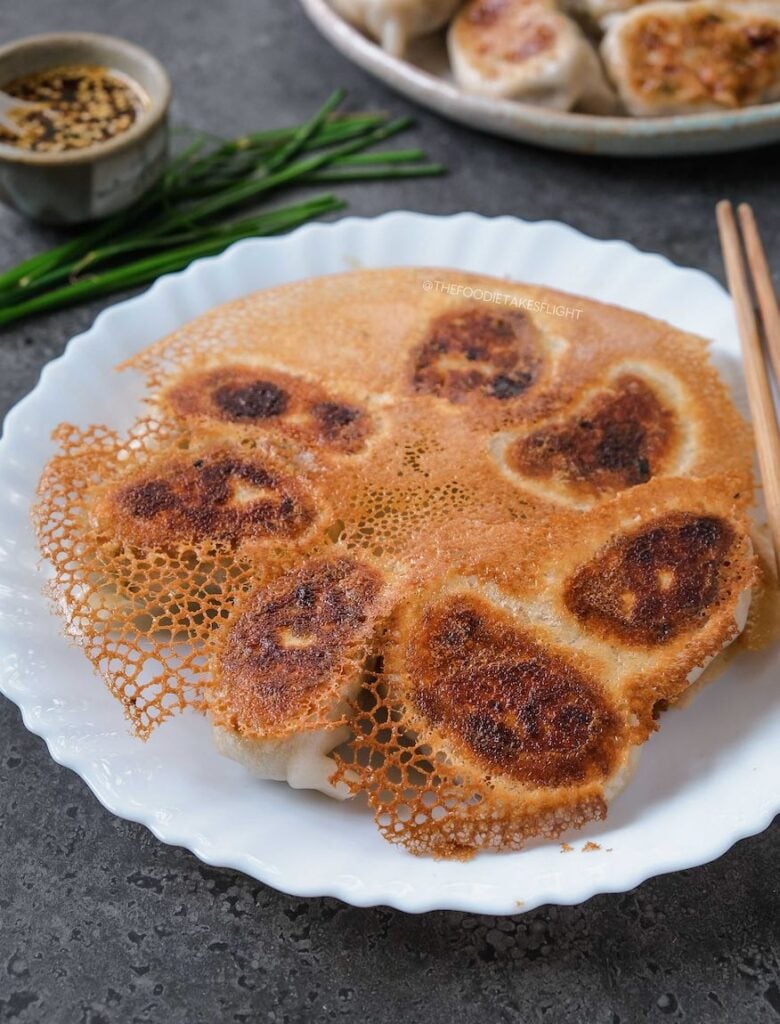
101 923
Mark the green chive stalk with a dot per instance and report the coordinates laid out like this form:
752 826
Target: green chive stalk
185 215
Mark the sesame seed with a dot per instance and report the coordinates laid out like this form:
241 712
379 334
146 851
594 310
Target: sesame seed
84 105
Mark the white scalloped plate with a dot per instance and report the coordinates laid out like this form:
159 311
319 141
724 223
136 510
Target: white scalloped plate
710 777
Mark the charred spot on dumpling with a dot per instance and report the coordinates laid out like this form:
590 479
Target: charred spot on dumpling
341 425
269 400
146 500
519 708
257 400
617 440
652 585
296 633
233 393
222 496
474 352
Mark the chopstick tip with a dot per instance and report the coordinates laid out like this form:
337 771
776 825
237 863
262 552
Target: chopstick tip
746 216
727 231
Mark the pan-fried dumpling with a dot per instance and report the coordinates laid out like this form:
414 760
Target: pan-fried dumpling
526 50
680 58
520 734
212 492
288 667
620 436
258 401
395 22
634 424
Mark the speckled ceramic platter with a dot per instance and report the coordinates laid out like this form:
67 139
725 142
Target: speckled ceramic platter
710 777
425 77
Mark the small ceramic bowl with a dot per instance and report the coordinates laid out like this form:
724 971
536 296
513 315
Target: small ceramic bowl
86 184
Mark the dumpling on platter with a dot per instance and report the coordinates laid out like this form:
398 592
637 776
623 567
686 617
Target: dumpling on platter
393 23
527 50
680 58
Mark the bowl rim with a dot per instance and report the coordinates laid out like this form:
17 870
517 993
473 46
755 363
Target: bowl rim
149 119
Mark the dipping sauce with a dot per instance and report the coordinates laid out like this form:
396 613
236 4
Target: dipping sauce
82 105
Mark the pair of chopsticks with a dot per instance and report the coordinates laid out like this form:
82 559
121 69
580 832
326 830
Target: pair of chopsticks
754 349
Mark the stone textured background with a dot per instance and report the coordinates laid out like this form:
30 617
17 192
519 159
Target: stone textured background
100 923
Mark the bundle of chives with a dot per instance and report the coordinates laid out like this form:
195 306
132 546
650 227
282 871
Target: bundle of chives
183 216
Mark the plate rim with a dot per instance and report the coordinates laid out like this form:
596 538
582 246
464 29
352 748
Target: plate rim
371 893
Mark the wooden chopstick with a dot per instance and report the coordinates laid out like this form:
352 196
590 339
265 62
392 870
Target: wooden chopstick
762 407
762 282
